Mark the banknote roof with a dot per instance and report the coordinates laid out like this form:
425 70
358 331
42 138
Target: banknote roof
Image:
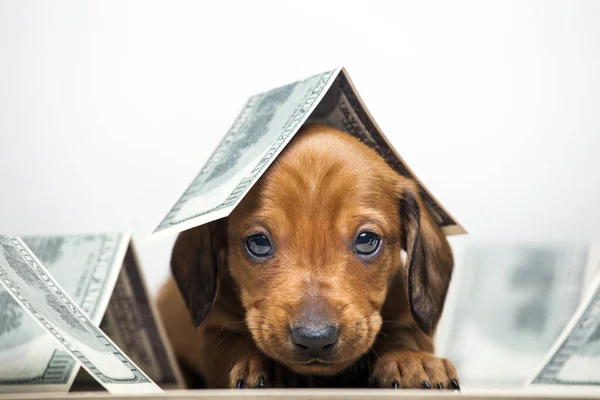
263 128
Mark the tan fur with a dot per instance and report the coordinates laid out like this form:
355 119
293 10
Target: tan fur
323 188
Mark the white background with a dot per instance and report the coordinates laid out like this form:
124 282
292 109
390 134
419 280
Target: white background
108 110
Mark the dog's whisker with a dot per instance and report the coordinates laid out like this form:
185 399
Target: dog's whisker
377 354
392 338
223 338
253 354
254 317
398 322
390 348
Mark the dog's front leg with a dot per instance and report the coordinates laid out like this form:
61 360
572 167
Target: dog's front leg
234 361
403 358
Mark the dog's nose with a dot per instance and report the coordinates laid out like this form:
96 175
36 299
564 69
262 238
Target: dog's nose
316 341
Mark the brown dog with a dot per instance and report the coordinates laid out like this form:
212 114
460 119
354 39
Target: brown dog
305 278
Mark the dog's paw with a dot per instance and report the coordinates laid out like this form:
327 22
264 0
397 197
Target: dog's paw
257 371
413 370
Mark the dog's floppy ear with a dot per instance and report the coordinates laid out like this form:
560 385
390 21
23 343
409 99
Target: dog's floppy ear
429 260
197 256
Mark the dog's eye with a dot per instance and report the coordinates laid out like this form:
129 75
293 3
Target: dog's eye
367 243
259 246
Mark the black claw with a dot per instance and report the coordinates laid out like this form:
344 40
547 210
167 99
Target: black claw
455 384
261 382
239 384
395 385
426 385
440 386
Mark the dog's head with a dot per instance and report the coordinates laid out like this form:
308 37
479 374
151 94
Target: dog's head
313 250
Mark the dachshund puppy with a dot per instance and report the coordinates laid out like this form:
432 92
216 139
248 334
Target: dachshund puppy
305 279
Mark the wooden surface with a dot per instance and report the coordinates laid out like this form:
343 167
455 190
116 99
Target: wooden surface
310 394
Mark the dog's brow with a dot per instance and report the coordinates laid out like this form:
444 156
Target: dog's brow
369 213
253 225
371 216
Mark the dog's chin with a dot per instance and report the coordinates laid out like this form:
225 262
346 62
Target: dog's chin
318 367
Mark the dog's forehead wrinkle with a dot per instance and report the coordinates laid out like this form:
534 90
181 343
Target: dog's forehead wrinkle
304 198
305 169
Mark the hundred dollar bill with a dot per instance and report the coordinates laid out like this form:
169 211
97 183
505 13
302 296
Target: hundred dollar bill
133 324
507 304
86 268
265 125
574 359
32 286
